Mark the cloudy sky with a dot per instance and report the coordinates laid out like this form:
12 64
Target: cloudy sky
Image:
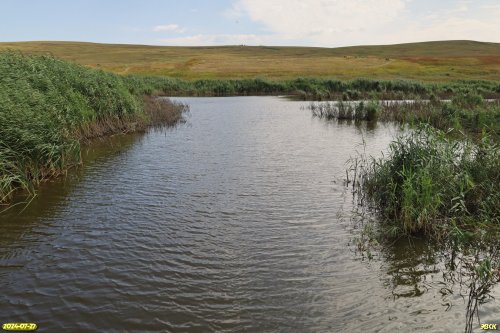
326 23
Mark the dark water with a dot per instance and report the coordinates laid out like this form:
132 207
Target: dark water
233 222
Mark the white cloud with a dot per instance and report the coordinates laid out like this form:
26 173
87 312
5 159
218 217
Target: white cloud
449 29
333 23
169 27
462 6
217 39
494 7
478 23
323 21
234 12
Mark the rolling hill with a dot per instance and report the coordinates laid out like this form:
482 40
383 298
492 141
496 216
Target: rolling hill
427 61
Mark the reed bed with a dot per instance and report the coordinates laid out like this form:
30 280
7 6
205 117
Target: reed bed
442 177
313 88
48 107
468 113
433 184
346 111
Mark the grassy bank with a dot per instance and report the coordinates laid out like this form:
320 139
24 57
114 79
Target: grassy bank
430 61
49 107
315 88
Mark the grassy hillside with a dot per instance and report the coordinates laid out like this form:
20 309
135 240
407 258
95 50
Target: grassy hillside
429 61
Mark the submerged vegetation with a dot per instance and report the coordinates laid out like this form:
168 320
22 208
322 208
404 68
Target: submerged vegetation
48 107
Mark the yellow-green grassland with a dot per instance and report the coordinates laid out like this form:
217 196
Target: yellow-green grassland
428 61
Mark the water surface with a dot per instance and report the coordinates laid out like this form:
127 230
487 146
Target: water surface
233 222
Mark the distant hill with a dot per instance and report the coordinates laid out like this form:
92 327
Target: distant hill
428 61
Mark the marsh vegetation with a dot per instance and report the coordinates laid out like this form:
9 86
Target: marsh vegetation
441 178
315 89
465 112
434 185
49 107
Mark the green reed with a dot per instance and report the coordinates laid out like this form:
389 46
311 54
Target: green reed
49 106
433 184
313 88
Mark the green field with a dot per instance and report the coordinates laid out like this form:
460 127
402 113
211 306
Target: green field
429 61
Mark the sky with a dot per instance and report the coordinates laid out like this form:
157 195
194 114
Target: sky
323 23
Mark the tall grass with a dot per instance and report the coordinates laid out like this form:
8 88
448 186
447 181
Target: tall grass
313 89
433 184
346 111
468 113
49 106
442 177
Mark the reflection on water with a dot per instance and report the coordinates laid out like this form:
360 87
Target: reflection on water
18 219
448 287
451 277
227 224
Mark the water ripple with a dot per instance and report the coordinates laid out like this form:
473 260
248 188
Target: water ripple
227 225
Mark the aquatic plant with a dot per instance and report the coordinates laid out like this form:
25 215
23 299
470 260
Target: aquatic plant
469 113
49 106
433 184
311 88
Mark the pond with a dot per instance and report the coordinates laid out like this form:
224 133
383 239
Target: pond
236 221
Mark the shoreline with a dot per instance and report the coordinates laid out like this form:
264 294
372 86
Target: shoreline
50 107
